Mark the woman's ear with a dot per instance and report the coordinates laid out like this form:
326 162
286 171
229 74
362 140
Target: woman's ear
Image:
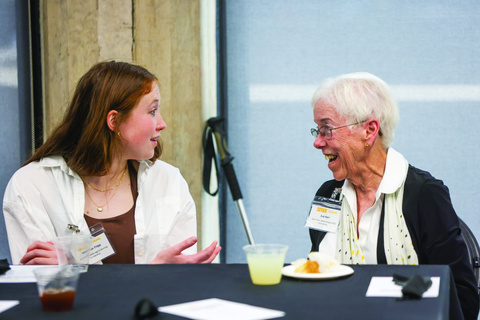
373 129
112 120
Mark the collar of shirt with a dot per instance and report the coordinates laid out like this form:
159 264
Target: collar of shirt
395 173
396 169
58 161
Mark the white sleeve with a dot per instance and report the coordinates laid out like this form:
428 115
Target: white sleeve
26 220
186 223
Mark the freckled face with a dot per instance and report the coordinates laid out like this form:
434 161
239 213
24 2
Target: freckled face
142 128
344 148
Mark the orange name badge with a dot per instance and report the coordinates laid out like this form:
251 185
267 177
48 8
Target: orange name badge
324 215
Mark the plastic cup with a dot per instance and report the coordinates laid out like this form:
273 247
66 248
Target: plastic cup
57 287
74 249
265 262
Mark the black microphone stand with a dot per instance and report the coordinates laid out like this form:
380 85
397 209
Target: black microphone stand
215 126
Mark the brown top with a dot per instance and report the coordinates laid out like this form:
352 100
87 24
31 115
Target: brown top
121 229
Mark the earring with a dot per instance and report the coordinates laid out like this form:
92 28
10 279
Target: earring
367 145
118 134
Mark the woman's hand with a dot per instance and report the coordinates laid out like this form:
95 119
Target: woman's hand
174 253
40 253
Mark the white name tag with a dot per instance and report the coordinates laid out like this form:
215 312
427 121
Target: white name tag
101 248
324 215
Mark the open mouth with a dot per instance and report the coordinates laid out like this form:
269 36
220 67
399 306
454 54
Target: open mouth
330 158
155 140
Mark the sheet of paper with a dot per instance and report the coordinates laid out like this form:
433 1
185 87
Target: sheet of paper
19 274
7 304
385 287
218 309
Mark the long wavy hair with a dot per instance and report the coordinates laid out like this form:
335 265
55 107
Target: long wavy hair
83 138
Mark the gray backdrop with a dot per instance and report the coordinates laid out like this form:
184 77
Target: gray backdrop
278 52
10 126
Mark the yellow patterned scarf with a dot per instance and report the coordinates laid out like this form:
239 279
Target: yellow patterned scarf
398 244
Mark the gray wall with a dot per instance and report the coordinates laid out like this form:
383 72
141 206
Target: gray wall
278 52
15 142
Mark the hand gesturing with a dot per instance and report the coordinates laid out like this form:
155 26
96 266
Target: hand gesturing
174 253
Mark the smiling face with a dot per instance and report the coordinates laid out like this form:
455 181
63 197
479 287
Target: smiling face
142 128
345 149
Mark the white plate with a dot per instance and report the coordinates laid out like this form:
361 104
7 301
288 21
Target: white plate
340 271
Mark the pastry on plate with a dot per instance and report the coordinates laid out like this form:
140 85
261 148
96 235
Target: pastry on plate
317 262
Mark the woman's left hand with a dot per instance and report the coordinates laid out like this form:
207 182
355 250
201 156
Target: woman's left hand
40 253
174 253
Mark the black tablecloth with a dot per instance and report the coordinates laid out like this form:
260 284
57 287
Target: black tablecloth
112 291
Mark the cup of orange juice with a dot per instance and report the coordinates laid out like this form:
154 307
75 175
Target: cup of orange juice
265 262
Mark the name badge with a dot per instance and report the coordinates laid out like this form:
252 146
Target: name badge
101 246
324 214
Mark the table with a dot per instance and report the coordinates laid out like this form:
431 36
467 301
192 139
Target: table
112 291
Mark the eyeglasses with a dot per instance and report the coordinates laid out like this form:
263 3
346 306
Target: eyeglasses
326 131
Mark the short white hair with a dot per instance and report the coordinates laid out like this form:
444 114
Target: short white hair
358 97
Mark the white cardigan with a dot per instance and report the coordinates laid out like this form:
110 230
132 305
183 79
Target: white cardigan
42 198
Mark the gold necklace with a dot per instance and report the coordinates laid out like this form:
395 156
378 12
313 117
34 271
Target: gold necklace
111 188
100 208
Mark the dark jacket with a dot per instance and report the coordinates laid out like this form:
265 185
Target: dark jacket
434 228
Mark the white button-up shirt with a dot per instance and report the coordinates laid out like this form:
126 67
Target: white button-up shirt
45 196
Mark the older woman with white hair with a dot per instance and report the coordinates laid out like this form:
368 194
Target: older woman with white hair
390 211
